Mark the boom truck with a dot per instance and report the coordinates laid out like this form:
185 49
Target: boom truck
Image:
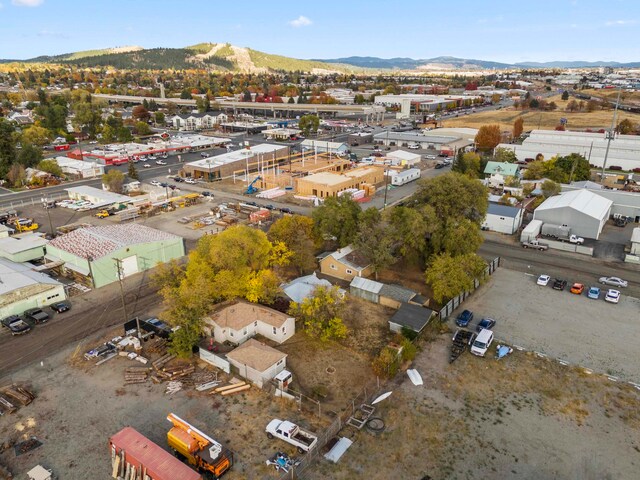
200 450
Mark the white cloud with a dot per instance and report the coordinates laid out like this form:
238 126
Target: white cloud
301 21
619 23
27 3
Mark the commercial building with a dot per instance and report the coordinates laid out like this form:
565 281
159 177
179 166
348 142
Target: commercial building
255 158
404 158
415 103
444 140
329 184
23 247
98 256
624 150
23 288
584 211
79 168
323 146
283 133
503 218
235 322
257 362
97 196
197 121
624 203
345 264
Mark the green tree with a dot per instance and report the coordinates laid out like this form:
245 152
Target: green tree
374 240
7 146
337 219
565 95
308 124
467 163
203 104
409 229
132 172
456 237
575 167
88 117
185 94
297 233
35 135
142 128
29 155
321 314
159 118
505 155
488 137
52 167
535 170
448 276
550 188
113 179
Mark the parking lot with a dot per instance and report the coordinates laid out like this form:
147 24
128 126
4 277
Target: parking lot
592 333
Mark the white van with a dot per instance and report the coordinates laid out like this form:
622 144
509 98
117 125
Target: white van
482 342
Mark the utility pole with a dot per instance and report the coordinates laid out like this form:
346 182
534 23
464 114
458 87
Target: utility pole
610 134
120 280
386 187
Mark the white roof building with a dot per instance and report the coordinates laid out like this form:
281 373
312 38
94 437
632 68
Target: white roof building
303 287
79 167
584 211
404 158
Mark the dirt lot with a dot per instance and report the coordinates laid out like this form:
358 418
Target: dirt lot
592 333
519 418
535 119
79 407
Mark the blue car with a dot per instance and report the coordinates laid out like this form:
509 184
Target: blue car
486 323
464 318
594 292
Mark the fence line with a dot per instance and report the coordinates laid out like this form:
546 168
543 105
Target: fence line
33 201
456 301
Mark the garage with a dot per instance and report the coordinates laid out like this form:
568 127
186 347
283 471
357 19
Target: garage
129 265
584 211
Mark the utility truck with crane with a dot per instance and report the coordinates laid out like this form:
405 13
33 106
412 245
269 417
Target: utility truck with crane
190 444
251 189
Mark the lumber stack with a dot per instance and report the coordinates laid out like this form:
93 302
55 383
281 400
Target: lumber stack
166 358
133 375
20 394
232 388
159 345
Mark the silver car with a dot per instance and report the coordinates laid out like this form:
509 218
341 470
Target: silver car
613 281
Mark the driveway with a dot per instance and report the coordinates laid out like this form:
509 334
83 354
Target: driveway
591 333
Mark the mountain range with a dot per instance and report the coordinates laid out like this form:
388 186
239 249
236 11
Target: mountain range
230 58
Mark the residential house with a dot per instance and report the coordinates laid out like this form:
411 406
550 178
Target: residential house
503 218
345 264
257 362
197 121
302 287
496 172
389 295
239 320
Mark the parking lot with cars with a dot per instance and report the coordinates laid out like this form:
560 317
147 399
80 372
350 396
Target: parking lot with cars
594 333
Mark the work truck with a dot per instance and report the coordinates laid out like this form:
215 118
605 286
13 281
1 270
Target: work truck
200 450
535 244
291 433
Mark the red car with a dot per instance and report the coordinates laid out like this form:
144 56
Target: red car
577 288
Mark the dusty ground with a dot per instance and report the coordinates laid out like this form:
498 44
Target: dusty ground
534 119
591 333
78 408
519 418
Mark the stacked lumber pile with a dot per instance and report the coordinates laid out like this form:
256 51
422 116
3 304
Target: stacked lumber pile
176 372
159 346
13 395
232 388
133 375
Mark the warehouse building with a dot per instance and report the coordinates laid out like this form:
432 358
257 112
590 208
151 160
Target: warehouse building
23 247
79 168
624 203
583 211
624 150
23 288
98 256
253 159
401 157
323 146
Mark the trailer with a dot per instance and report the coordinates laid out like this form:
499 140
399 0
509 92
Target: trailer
531 231
461 340
135 456
405 176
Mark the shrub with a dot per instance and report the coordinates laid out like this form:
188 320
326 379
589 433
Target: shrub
409 350
386 363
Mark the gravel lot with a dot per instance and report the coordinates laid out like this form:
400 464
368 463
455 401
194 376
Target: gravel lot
591 333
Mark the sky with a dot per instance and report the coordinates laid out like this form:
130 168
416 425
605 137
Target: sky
498 30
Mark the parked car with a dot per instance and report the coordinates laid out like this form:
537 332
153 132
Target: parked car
482 343
37 315
16 325
613 281
594 292
413 146
287 210
160 162
207 193
204 155
155 183
577 288
269 207
146 165
60 307
178 179
486 323
559 284
190 181
464 318
543 280
612 296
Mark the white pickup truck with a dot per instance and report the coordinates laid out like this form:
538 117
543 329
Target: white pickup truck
291 433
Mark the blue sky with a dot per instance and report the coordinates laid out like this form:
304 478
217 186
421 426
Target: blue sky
499 30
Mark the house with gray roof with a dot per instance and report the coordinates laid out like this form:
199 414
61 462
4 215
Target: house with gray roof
412 317
503 218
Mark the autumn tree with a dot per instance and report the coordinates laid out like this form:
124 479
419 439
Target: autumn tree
113 179
518 127
321 314
572 106
448 276
16 176
467 163
337 219
550 188
488 137
140 113
626 127
52 167
505 155
374 241
36 135
297 233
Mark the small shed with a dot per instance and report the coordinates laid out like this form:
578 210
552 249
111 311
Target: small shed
402 157
366 289
393 295
39 473
635 241
257 362
412 317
